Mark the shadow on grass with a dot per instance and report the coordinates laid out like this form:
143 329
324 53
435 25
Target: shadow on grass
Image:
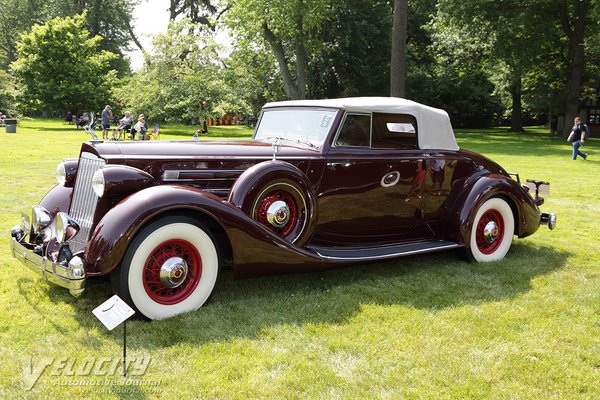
243 308
66 129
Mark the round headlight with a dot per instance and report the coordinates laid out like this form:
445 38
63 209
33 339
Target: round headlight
98 183
61 174
65 227
40 218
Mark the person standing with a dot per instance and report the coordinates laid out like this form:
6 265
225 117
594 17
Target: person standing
578 135
106 118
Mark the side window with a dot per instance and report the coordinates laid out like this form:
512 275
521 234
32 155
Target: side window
394 131
355 131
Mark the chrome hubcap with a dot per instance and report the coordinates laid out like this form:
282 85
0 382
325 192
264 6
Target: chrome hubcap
173 272
490 232
278 214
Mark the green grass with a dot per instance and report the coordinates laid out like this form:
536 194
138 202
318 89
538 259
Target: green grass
432 326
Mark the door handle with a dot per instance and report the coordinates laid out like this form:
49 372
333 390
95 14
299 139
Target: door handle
334 165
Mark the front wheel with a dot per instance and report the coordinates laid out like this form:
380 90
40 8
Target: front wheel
171 267
492 231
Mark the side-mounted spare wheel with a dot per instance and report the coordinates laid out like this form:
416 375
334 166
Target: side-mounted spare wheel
171 267
280 197
492 231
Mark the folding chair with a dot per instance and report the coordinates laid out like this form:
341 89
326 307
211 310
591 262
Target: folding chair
155 134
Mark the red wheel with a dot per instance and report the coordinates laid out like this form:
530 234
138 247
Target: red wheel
492 232
281 207
171 267
489 228
280 197
172 271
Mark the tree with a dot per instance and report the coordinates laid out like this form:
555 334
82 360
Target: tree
398 61
110 19
354 56
8 91
288 27
514 30
185 81
62 68
203 13
574 20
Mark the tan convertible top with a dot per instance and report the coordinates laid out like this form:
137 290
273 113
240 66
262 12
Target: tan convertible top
435 130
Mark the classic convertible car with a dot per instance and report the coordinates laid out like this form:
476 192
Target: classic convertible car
322 183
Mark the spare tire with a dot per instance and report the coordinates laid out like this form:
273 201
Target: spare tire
280 197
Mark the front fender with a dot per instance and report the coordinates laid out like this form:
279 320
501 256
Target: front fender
527 216
255 249
110 240
57 199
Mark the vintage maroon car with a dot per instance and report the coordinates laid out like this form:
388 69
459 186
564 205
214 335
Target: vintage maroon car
322 184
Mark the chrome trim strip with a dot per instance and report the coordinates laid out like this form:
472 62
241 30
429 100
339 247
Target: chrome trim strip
55 273
392 255
201 175
217 191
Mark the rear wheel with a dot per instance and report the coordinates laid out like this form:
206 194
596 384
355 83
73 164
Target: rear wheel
171 267
492 231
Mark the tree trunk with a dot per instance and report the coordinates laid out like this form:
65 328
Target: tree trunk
291 90
173 11
574 28
516 118
398 61
94 22
301 61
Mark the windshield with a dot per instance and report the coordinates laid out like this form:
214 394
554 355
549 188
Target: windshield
309 126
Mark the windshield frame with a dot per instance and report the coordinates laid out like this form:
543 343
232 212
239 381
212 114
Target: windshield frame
301 141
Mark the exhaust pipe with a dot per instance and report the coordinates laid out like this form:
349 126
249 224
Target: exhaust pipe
549 220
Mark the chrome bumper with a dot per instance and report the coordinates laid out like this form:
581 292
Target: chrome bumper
71 276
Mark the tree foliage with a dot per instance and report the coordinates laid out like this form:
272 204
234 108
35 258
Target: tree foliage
111 20
185 79
62 68
289 28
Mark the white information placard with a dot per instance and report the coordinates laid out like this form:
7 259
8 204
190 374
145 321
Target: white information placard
113 312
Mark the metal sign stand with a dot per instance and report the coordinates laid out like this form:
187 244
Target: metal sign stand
112 313
125 348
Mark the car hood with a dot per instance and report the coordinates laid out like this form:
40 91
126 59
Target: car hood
195 149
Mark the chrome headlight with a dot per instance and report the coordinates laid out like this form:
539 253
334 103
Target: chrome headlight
66 228
98 183
40 218
61 174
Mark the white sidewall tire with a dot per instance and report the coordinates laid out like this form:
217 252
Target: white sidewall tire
210 270
509 228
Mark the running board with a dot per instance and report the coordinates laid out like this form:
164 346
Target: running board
380 253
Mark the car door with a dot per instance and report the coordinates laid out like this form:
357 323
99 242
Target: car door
370 190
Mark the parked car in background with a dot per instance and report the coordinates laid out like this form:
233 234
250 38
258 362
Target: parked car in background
322 183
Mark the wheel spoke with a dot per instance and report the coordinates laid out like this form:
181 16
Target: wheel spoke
153 283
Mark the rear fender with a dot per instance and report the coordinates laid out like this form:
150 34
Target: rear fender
526 213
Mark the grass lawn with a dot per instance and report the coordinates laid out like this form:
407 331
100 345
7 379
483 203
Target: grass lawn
527 327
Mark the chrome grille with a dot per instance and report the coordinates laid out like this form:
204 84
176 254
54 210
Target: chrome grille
83 204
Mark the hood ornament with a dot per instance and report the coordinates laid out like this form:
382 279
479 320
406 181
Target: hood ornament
276 147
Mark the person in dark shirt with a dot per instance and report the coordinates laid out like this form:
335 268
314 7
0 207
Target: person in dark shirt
106 118
578 135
